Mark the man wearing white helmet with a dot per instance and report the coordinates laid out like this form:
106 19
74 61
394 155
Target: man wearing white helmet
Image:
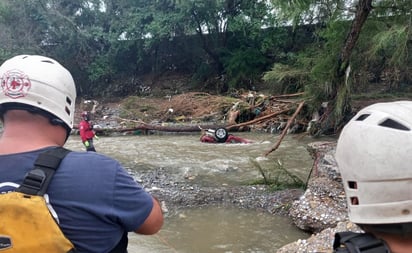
96 205
374 157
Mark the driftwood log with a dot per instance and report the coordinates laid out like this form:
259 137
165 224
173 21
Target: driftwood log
285 130
142 126
260 119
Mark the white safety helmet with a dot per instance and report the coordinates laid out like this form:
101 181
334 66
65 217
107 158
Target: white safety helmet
40 82
374 155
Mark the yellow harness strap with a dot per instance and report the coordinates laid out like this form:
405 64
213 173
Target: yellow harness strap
26 224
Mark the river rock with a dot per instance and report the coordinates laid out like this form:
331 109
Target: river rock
319 242
323 204
322 209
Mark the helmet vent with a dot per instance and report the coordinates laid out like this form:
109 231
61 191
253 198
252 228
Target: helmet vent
67 110
68 101
47 61
394 124
352 185
362 117
354 201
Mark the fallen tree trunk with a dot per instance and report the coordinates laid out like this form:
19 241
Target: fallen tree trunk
139 125
285 130
148 127
289 95
143 126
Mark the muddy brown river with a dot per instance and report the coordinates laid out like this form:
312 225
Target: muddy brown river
210 229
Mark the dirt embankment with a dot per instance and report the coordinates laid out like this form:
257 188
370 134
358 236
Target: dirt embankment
263 112
241 111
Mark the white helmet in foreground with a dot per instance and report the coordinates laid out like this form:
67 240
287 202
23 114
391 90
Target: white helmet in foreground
40 82
374 155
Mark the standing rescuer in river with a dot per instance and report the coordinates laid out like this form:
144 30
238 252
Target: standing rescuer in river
96 201
86 132
374 157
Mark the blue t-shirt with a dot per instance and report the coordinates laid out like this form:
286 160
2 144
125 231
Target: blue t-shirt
96 200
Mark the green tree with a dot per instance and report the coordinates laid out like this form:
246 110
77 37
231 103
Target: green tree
22 28
354 36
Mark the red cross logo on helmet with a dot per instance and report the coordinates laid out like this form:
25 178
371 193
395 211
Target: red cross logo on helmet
15 84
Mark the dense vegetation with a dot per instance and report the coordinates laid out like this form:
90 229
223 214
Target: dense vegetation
326 48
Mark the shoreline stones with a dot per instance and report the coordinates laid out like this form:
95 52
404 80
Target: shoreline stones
322 209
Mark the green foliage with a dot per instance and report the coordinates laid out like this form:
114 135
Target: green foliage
377 48
325 60
119 39
4 54
22 26
242 66
99 69
394 39
203 72
292 10
286 78
278 178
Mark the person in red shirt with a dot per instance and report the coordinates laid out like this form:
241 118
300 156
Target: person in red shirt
86 132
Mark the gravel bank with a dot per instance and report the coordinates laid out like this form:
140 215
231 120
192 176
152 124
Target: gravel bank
319 210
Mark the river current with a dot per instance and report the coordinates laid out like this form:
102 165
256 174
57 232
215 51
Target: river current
211 229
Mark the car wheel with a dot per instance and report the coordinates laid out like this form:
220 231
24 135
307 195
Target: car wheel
221 134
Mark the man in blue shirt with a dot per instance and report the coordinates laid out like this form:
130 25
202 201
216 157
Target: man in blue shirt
96 201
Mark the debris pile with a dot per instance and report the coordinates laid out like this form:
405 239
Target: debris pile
189 111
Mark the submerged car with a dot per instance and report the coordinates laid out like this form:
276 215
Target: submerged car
221 135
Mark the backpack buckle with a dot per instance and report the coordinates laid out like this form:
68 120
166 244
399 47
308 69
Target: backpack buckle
33 181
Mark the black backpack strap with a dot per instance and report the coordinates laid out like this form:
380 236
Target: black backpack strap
359 243
38 179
